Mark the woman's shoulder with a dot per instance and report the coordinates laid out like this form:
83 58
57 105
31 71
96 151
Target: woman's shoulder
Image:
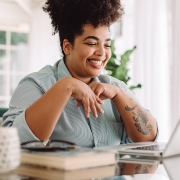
111 80
46 75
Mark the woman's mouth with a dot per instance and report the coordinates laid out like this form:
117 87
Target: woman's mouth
95 62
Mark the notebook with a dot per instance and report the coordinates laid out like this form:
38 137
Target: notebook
156 149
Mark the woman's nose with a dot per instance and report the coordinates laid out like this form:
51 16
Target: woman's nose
100 51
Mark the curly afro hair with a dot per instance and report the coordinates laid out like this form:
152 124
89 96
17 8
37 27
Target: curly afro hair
69 16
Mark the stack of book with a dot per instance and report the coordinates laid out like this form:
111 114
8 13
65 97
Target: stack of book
32 171
80 163
74 159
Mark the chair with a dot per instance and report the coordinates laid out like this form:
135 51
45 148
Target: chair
2 111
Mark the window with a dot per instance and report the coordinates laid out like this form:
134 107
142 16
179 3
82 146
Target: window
14 62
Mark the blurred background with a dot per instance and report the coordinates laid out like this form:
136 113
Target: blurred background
27 44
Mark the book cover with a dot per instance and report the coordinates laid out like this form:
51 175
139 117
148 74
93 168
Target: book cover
56 174
69 160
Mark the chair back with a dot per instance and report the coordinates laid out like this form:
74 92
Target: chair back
2 111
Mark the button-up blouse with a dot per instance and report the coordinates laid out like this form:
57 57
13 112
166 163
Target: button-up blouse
73 126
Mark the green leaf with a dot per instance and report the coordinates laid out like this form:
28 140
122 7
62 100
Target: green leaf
125 57
134 87
111 64
120 71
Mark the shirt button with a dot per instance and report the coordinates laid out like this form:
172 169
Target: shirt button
96 142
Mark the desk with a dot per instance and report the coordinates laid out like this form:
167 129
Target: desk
125 169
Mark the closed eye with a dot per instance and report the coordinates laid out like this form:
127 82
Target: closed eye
91 44
107 46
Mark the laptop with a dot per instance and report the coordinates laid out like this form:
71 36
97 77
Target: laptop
170 164
172 167
153 149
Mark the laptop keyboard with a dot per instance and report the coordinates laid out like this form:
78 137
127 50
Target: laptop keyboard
158 147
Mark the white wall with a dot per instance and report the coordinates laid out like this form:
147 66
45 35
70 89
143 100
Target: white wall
44 48
12 14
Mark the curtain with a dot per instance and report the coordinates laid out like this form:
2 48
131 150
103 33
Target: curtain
174 11
151 60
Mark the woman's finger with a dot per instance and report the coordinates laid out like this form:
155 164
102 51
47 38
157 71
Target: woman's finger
99 109
79 103
86 107
73 98
99 100
93 110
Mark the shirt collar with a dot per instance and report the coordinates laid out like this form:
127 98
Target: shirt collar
62 70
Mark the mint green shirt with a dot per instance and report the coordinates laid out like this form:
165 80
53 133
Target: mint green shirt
73 126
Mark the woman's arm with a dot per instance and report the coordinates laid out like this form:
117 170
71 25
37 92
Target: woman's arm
139 123
42 121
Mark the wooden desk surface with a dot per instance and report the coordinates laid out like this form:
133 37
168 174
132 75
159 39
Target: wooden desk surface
167 169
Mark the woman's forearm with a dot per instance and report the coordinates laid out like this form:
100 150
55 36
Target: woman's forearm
139 123
43 114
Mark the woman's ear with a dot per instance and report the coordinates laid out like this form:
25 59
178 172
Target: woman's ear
66 47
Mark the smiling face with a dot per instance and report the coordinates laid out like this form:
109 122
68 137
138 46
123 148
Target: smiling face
89 54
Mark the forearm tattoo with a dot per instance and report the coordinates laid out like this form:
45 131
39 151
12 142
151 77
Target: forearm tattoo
141 119
142 169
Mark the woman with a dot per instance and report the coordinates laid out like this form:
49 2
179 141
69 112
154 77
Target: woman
72 101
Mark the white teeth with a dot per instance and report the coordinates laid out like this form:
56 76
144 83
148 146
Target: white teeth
96 62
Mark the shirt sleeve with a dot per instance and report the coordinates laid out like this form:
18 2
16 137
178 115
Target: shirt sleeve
108 79
25 133
27 92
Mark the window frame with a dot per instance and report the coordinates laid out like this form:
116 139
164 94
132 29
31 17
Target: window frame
7 72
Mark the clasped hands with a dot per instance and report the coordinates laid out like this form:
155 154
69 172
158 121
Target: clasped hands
91 95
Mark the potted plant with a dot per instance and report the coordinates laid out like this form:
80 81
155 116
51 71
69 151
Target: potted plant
117 67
